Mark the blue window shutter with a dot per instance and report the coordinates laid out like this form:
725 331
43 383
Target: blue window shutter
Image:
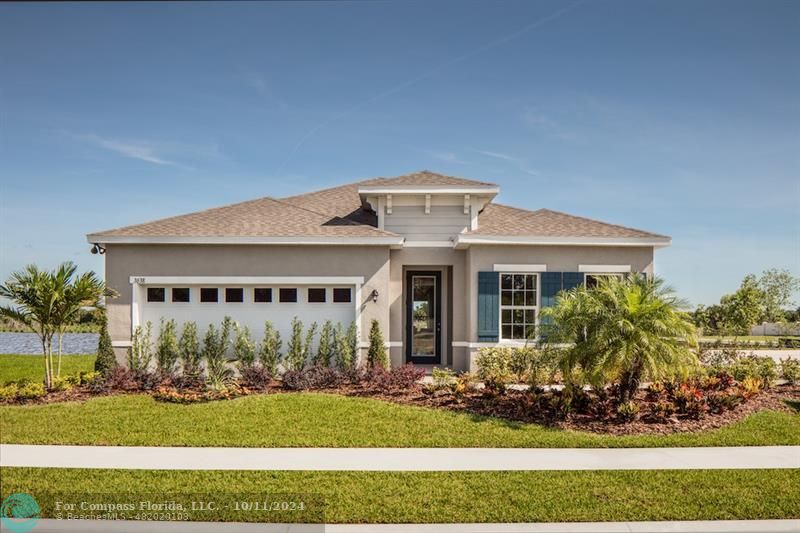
488 306
551 285
572 280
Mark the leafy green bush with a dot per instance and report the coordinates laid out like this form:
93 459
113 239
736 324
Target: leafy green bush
31 391
494 367
61 384
376 356
442 378
8 392
790 370
753 366
346 346
627 411
167 349
271 348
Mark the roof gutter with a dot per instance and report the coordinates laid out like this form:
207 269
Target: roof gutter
389 240
464 241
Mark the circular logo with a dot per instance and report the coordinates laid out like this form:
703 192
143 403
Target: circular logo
20 512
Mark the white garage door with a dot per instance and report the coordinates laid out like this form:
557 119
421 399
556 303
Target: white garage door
249 304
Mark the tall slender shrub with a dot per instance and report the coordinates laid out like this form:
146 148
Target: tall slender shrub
189 349
295 354
344 351
215 347
353 343
271 348
309 342
244 349
167 350
325 346
140 353
106 361
376 356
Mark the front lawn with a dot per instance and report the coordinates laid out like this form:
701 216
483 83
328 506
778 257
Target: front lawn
14 367
329 420
424 497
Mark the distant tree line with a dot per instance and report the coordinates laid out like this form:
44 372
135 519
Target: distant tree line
768 298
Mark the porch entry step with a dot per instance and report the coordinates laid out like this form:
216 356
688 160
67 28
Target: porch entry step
399 459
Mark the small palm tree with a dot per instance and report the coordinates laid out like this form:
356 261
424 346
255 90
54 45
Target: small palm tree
622 330
47 301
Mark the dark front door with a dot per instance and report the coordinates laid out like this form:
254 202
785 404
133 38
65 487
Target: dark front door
423 316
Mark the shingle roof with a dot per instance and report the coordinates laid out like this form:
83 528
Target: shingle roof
425 178
263 217
498 219
338 212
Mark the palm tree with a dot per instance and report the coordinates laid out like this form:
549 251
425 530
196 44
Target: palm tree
622 330
86 290
47 301
35 295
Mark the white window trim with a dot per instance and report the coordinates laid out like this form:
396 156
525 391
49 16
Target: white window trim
527 307
511 269
605 269
618 275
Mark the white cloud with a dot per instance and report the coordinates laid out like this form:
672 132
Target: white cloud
518 162
156 153
447 157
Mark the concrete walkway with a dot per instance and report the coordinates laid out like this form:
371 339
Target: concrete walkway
399 459
121 526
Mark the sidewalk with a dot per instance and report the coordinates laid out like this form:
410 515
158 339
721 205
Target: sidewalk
102 526
398 459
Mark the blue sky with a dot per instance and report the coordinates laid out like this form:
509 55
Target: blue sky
681 118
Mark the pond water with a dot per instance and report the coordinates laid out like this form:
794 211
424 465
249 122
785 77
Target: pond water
28 343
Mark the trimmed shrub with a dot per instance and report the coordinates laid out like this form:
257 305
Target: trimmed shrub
189 348
140 352
753 366
31 391
405 376
59 384
790 370
326 344
244 349
295 355
271 348
8 393
105 361
167 349
377 356
255 377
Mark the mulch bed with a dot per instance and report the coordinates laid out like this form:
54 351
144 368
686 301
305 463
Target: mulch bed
514 406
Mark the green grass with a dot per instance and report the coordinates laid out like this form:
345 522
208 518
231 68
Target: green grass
14 367
328 420
419 497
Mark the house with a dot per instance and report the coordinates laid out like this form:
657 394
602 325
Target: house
443 268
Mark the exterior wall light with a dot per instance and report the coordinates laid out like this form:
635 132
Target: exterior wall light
97 249
374 295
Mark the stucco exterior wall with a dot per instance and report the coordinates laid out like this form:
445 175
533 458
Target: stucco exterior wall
124 261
